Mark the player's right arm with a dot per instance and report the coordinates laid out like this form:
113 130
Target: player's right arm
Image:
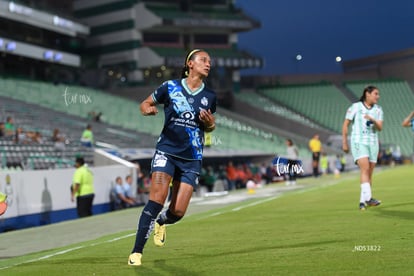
148 106
345 146
349 117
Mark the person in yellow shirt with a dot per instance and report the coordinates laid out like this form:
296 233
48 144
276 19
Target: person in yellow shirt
83 188
315 147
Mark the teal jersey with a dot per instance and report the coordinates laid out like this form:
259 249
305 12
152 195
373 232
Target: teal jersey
363 130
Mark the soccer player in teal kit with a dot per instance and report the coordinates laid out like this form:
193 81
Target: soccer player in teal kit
366 117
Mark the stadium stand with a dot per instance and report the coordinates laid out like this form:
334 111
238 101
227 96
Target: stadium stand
34 118
125 127
268 105
396 99
320 102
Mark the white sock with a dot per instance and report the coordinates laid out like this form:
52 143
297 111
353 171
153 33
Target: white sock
362 197
365 191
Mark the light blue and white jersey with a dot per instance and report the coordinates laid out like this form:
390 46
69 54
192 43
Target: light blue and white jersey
363 130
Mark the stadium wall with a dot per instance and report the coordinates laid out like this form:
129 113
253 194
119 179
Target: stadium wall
43 196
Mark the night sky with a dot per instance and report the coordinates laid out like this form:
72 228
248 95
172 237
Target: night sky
321 30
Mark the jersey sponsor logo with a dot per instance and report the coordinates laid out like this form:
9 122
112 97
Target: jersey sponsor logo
185 122
187 115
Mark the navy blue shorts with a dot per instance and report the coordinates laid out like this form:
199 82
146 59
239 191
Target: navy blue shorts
182 170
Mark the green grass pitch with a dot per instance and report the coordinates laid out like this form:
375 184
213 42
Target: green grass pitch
315 231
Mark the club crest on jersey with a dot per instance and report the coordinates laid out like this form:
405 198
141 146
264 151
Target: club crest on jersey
204 101
190 100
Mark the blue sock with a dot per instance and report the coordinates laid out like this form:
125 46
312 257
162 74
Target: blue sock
146 225
167 217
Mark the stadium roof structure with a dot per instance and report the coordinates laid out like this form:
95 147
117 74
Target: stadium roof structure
41 19
223 57
216 18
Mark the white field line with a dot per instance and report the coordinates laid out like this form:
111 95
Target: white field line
132 234
67 251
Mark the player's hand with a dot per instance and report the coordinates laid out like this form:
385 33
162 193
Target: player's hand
345 148
150 110
207 118
369 118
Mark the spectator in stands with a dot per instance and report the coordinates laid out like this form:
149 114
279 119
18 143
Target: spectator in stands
208 178
87 137
270 173
95 116
189 108
257 176
366 117
231 176
408 121
21 137
315 147
37 138
121 199
263 173
2 129
222 176
142 186
58 139
9 127
241 177
128 189
248 171
83 188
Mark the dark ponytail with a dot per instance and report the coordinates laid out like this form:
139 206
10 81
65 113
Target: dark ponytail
190 56
367 89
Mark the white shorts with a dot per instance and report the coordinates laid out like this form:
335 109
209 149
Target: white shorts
361 150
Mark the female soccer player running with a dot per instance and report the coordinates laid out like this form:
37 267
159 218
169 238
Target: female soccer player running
188 108
366 117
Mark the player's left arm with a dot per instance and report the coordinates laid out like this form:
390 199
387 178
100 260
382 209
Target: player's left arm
208 120
207 116
377 122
